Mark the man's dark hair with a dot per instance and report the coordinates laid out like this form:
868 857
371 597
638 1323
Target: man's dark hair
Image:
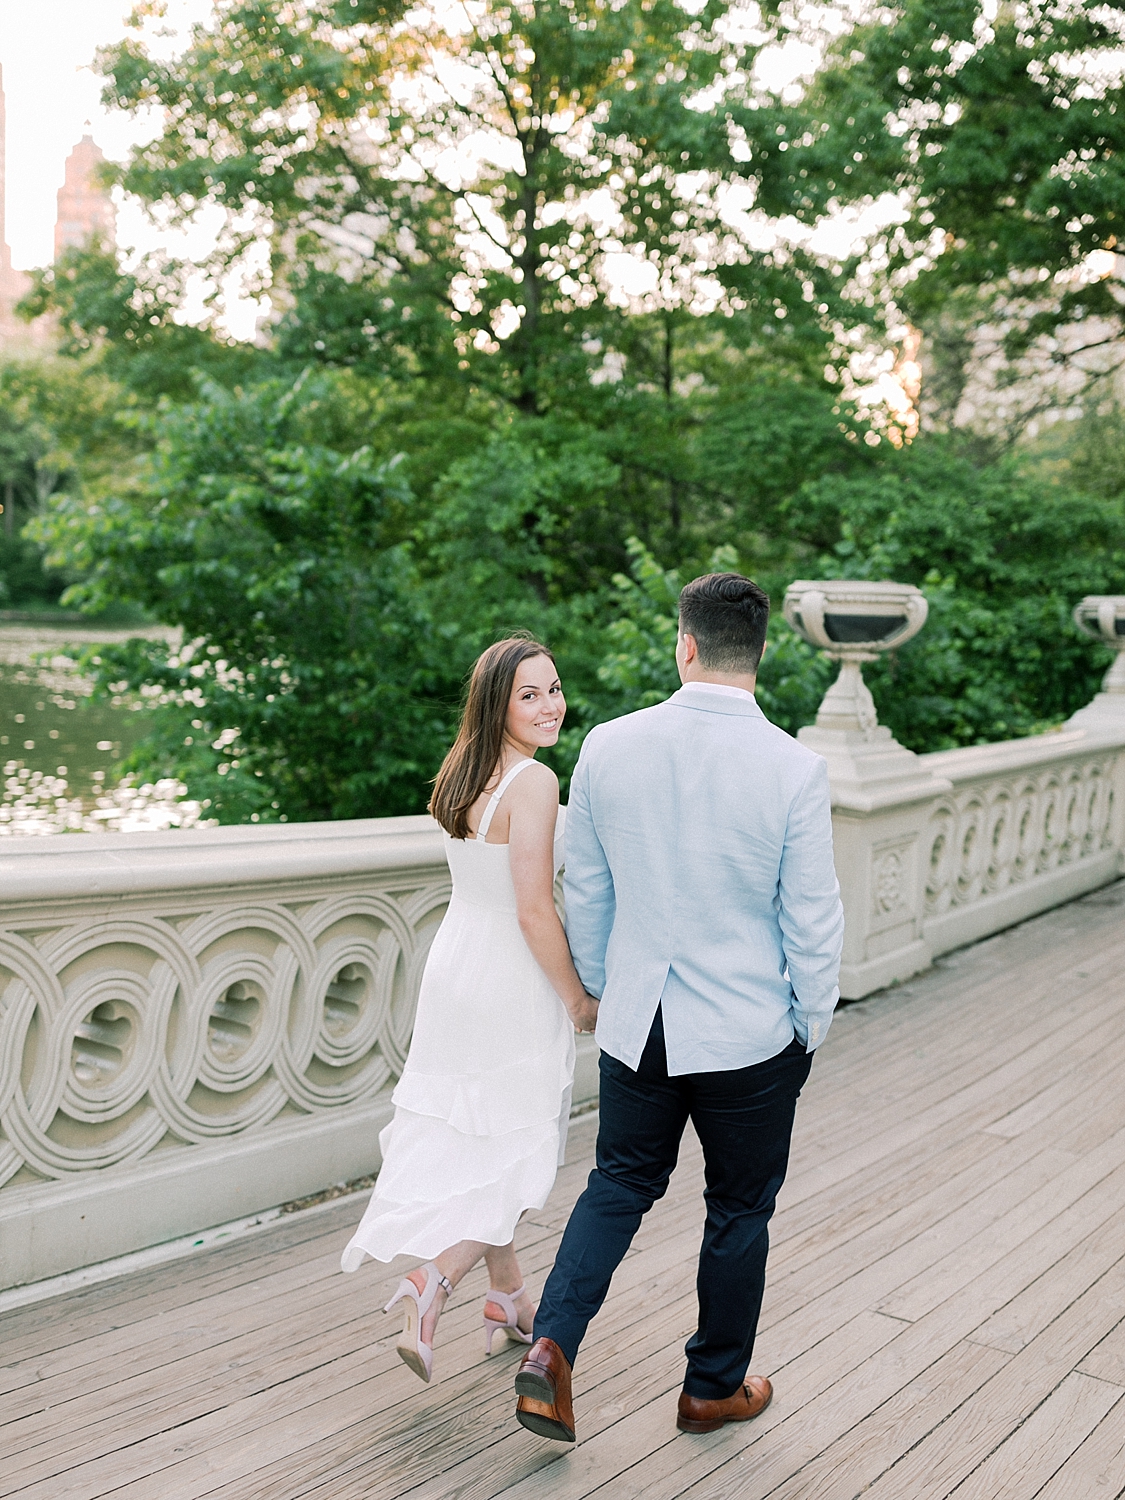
727 615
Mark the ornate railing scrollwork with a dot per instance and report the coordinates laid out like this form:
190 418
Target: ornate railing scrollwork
995 832
165 1028
223 1012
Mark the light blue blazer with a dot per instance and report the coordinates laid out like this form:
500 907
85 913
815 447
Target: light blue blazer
699 877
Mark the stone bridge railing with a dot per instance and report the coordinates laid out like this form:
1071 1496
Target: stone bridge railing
201 1024
196 1025
1002 832
934 851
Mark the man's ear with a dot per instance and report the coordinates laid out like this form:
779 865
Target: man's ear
691 649
765 648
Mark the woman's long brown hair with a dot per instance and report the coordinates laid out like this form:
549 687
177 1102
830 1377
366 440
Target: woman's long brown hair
476 751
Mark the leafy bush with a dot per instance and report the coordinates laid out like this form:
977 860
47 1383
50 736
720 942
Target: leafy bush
331 597
1003 556
306 630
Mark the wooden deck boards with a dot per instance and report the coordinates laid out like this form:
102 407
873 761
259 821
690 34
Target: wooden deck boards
945 1315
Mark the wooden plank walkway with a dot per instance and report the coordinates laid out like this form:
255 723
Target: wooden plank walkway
945 1314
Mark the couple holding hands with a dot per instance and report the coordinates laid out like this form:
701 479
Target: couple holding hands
703 939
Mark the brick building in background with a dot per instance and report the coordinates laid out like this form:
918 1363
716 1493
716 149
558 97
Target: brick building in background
13 283
85 209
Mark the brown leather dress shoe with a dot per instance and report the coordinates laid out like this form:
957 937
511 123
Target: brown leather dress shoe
543 1386
697 1415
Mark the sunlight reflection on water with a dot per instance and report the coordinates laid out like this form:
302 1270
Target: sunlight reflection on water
48 721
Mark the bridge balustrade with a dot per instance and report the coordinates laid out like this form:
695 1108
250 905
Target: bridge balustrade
201 1024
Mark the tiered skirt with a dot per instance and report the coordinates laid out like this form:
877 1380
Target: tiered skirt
481 1109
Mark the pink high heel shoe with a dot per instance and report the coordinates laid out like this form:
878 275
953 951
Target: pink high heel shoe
416 1355
511 1326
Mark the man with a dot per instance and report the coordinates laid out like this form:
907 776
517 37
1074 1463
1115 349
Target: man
702 907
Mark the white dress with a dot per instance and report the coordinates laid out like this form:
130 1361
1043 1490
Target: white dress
481 1109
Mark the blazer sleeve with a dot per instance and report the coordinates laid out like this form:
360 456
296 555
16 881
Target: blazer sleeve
811 913
587 884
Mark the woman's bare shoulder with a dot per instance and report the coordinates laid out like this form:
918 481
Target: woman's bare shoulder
537 784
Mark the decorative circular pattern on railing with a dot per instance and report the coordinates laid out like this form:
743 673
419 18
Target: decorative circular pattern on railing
122 1033
992 835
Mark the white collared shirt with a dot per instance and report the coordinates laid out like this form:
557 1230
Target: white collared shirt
717 687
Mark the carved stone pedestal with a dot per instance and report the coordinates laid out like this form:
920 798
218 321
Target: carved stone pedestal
1102 616
881 798
881 792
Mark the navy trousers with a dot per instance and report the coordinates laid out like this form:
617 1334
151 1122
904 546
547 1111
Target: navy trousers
744 1121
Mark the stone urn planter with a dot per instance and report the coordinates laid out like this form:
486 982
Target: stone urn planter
881 791
853 621
1102 617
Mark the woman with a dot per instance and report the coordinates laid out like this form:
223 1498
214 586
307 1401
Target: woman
481 1108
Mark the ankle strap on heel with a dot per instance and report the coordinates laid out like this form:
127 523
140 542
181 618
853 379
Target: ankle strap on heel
442 1281
424 1298
507 1300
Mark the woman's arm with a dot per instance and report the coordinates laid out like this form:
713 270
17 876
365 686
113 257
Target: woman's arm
591 901
531 845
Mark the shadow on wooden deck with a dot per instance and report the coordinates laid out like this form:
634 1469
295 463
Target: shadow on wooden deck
945 1312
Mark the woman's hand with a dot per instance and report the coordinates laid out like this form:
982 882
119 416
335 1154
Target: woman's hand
585 1015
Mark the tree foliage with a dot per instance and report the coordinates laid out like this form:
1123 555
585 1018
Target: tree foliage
1002 131
64 428
467 171
1003 556
131 319
275 546
548 339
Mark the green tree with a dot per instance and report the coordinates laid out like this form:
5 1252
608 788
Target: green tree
23 445
127 323
64 428
470 182
705 418
309 660
1002 130
1092 452
1003 555
451 213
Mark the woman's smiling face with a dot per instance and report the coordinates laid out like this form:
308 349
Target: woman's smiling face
536 707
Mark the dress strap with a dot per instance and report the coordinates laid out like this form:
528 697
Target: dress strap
494 800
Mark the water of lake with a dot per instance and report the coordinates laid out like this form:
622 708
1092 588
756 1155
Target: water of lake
47 718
